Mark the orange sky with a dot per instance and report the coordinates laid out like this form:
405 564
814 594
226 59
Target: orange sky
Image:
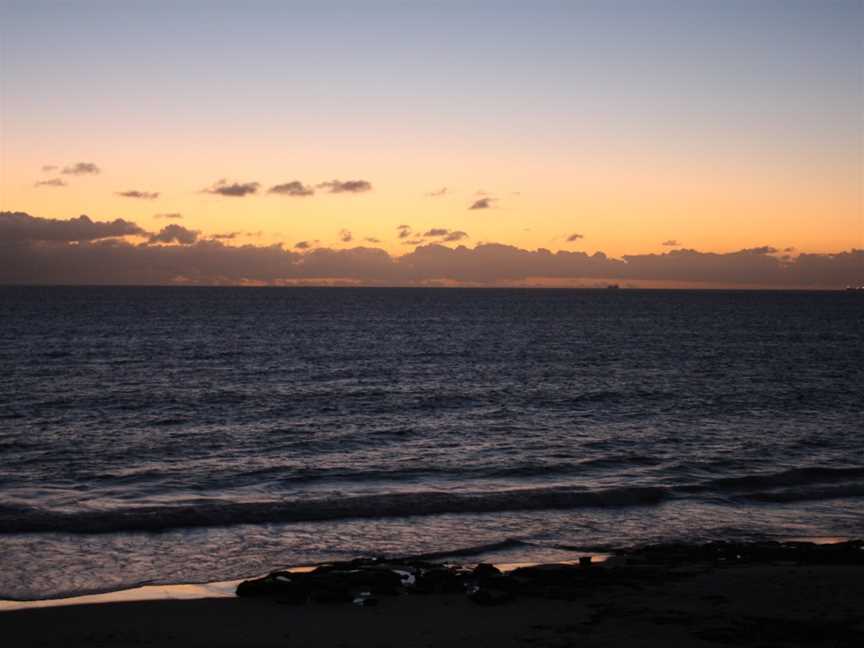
630 128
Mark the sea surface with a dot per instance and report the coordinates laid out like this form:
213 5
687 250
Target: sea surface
165 435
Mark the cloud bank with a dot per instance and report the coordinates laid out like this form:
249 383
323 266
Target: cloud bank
80 250
176 234
19 226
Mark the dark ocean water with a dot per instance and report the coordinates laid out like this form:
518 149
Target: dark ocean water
193 434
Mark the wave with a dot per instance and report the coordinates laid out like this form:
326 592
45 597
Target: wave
781 479
390 505
787 486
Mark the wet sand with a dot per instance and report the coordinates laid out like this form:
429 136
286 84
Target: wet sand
695 604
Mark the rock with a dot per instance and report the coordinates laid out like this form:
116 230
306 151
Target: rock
275 585
485 570
440 580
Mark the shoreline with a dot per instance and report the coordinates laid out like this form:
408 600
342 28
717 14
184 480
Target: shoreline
227 588
752 595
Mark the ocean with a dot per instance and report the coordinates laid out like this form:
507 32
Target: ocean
168 435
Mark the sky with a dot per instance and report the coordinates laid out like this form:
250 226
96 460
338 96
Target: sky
681 130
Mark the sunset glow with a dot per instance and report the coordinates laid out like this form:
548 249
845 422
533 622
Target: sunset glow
696 126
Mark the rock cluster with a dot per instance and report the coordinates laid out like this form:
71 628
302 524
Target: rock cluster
361 580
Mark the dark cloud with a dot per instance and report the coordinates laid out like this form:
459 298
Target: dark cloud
456 235
47 168
293 188
175 234
404 231
437 194
144 195
19 226
445 234
413 242
764 249
227 236
79 250
53 182
171 215
574 237
346 186
81 168
345 236
671 243
303 245
482 203
371 239
235 189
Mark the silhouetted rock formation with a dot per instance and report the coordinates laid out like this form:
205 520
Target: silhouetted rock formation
362 579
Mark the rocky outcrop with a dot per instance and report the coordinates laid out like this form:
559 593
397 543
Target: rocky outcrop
364 579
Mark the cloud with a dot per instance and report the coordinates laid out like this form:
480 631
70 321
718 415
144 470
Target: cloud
347 186
303 245
47 168
574 237
371 239
81 168
293 188
20 226
79 250
175 234
171 215
671 243
227 236
482 203
404 231
413 242
456 235
235 189
144 195
764 249
437 194
345 236
445 234
53 182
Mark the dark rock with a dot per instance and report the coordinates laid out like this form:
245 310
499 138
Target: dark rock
278 584
485 570
440 580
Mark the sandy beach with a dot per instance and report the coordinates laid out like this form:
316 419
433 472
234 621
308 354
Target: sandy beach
688 602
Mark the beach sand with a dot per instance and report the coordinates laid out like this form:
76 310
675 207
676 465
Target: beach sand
761 605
